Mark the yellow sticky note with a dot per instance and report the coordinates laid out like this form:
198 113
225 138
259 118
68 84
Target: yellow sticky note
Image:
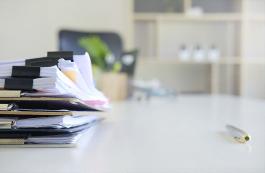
71 74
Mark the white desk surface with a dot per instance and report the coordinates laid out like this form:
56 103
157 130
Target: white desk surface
185 135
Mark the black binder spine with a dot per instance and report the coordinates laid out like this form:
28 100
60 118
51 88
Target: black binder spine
42 62
61 54
25 71
51 59
18 84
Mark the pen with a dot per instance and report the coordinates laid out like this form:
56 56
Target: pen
238 134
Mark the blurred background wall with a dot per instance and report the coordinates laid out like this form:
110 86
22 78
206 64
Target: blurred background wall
29 27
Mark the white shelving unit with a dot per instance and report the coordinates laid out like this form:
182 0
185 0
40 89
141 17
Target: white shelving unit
236 27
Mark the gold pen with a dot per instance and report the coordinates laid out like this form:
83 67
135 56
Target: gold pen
238 134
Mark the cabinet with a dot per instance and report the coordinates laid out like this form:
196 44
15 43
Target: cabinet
235 27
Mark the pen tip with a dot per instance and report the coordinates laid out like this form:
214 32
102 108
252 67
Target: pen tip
247 138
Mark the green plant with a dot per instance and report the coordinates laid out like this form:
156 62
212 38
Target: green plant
97 49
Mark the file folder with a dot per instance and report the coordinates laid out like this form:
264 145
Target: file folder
57 122
41 62
28 71
43 137
24 71
10 93
39 139
18 83
61 54
50 103
44 131
51 59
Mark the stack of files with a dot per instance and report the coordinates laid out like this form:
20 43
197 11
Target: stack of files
49 101
61 78
49 131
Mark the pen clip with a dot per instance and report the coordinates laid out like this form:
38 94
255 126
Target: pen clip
8 107
12 106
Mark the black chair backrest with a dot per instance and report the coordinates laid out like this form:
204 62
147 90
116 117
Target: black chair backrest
68 41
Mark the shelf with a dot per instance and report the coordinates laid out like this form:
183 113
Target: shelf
225 61
253 61
254 18
184 17
177 61
145 16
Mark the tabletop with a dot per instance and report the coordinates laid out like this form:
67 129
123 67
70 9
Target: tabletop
185 135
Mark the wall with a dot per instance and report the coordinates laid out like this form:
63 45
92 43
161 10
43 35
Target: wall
253 44
29 27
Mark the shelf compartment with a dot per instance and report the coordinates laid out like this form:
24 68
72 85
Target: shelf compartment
164 6
218 6
182 17
171 36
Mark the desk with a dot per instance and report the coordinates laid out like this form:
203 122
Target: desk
161 136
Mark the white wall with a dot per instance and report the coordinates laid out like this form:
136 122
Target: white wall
29 28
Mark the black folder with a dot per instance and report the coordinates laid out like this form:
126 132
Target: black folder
48 103
25 72
51 59
19 84
44 131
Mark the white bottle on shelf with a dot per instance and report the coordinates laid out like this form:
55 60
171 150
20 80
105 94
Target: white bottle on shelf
198 54
213 53
184 53
194 11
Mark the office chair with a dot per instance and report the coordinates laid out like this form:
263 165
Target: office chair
68 41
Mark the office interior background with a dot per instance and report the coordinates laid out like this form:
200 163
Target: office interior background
167 33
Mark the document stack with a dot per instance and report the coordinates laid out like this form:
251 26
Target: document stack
49 101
